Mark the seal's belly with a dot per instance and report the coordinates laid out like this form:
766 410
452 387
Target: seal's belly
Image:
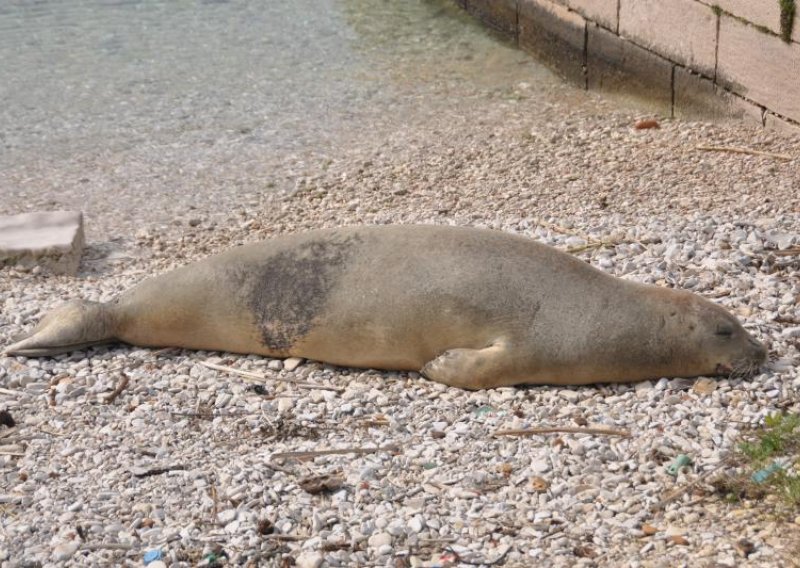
394 333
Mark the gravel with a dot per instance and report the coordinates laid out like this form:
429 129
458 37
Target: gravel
180 461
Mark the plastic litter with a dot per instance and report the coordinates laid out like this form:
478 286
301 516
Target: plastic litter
762 475
681 460
152 556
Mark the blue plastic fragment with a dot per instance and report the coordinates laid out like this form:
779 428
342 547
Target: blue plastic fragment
152 556
681 460
763 475
483 410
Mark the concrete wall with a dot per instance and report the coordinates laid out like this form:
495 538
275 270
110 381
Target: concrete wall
689 57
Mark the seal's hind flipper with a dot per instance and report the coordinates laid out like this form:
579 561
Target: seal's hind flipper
75 325
473 368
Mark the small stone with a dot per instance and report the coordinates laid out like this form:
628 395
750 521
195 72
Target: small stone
646 124
678 540
539 484
309 560
275 365
674 531
367 473
781 240
648 529
416 524
540 466
705 386
570 395
65 551
285 404
744 547
573 241
315 484
226 516
396 528
292 363
380 539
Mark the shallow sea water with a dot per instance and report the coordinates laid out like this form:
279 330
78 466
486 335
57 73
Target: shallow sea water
157 105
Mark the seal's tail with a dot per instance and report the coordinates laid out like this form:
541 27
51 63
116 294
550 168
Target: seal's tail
72 326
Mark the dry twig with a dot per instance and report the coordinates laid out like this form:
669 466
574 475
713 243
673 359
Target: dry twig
564 429
215 502
149 472
12 450
51 395
343 451
259 378
286 537
478 561
121 386
718 294
735 150
11 453
106 546
791 251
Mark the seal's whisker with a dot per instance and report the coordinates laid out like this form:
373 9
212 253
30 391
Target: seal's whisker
744 369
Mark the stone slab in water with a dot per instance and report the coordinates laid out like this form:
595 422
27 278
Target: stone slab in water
52 240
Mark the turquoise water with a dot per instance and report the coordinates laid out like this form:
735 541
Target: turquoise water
81 75
138 111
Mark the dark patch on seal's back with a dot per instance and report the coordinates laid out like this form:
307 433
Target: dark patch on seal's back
290 289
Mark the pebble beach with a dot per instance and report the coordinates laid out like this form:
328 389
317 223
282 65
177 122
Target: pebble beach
122 456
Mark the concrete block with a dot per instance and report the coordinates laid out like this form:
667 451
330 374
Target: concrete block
52 240
618 66
603 12
554 35
500 15
760 67
683 31
777 124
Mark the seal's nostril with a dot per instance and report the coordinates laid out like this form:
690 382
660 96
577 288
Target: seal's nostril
723 369
760 352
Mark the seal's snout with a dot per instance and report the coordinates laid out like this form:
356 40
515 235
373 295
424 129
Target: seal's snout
723 369
751 357
758 350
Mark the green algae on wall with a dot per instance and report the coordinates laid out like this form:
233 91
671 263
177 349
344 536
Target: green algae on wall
787 19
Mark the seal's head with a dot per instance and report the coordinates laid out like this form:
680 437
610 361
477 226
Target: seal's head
713 342
71 326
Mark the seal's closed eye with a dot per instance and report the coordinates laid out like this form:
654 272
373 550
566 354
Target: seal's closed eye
724 330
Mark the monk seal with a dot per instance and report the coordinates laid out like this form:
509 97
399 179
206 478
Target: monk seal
471 308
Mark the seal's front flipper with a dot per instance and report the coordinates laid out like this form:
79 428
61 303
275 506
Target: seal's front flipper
473 369
75 325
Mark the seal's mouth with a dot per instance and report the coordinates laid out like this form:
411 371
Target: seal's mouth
742 369
723 369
